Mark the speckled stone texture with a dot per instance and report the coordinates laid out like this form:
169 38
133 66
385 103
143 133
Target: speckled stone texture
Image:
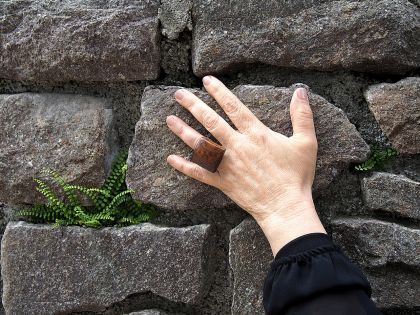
383 249
396 107
376 243
79 40
325 35
72 134
249 257
49 270
149 312
393 193
131 55
155 181
175 17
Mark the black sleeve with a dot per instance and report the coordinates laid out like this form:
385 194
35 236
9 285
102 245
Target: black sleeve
310 275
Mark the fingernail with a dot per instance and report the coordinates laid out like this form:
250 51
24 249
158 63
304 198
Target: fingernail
170 158
302 94
207 80
179 95
170 121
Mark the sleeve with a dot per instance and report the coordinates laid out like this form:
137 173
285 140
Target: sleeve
310 275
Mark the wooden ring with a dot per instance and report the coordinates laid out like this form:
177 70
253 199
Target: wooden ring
208 154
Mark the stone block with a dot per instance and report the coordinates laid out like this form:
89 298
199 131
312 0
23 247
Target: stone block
393 193
249 257
79 40
149 312
379 37
388 254
156 182
175 17
72 134
50 270
375 243
396 107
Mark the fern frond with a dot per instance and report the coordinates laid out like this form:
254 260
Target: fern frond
63 184
93 194
118 199
377 159
112 203
116 177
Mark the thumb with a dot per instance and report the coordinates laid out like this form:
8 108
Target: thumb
301 114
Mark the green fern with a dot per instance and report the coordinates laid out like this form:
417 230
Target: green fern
378 158
111 204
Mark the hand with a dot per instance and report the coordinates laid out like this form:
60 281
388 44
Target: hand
266 173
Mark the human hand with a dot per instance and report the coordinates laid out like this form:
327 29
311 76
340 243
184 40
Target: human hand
266 173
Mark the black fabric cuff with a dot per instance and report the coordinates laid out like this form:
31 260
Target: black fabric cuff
304 243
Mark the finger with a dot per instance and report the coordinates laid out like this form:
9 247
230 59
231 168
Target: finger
183 131
301 114
238 113
215 124
193 170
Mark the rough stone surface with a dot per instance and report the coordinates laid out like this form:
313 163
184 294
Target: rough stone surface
72 134
88 269
306 34
397 109
153 179
395 288
79 40
383 249
394 193
249 258
149 312
175 17
375 243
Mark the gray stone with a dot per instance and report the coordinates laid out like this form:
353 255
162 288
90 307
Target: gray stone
396 107
175 17
324 35
394 193
395 287
375 243
50 270
388 254
94 40
249 258
153 179
149 312
72 134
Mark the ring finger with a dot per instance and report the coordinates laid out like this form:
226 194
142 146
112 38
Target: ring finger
183 131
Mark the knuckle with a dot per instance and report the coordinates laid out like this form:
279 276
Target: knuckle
261 137
210 120
231 106
197 143
197 172
306 114
180 131
310 143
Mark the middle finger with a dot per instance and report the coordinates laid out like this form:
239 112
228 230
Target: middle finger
215 124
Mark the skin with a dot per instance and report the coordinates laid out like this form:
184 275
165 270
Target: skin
266 173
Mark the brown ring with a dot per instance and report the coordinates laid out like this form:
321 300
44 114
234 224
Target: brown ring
208 154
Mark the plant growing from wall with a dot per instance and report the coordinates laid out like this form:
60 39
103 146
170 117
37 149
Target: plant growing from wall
111 204
377 159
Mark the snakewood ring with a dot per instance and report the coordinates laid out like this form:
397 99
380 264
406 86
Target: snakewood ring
208 154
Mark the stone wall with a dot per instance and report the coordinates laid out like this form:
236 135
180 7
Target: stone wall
81 79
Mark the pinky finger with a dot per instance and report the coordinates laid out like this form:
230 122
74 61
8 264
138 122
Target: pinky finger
193 170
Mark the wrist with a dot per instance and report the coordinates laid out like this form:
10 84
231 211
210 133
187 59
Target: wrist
288 219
